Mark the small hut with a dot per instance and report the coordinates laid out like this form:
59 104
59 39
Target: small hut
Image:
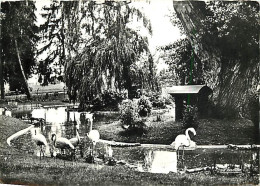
192 95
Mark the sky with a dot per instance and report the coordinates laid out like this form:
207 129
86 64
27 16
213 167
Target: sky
164 32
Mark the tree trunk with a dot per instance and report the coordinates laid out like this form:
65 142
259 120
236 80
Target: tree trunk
2 80
21 67
1 70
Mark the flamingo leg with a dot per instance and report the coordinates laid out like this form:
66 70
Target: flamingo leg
93 150
182 159
182 152
40 152
178 152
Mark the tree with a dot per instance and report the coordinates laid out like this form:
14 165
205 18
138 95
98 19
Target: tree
18 39
184 64
226 35
53 39
110 53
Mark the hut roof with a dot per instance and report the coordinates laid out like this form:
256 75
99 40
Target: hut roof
186 89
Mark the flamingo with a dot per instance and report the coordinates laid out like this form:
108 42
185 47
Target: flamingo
41 141
94 136
183 140
61 143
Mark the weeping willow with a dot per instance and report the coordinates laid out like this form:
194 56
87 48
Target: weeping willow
106 55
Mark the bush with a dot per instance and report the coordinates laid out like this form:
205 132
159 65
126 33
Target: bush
130 119
97 103
168 100
144 106
111 98
251 108
190 117
161 101
108 100
128 113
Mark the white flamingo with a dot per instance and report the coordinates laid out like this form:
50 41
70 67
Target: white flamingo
183 140
61 143
41 141
94 136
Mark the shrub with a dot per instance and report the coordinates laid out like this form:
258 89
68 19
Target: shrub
251 108
97 103
111 98
159 103
168 100
144 106
108 100
128 113
130 119
190 117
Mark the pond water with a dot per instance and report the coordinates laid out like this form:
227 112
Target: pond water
159 161
61 121
164 160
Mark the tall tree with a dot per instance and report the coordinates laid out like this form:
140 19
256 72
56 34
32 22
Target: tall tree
110 52
226 35
18 39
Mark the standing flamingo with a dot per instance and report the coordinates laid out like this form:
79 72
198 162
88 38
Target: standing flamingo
61 143
41 141
183 140
94 136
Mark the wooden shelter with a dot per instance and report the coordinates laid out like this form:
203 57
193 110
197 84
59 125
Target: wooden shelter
190 95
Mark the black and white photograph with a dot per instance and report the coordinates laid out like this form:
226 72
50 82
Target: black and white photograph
133 92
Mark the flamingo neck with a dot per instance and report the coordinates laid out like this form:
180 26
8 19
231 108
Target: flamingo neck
54 140
77 134
187 134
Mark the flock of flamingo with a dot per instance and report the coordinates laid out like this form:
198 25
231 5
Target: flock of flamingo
61 143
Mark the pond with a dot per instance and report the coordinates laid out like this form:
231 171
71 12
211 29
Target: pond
61 121
161 160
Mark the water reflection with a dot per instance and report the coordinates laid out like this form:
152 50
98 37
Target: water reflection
59 121
159 162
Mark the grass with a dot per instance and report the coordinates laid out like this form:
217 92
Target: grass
210 131
19 166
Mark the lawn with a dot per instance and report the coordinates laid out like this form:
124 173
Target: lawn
20 166
210 131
